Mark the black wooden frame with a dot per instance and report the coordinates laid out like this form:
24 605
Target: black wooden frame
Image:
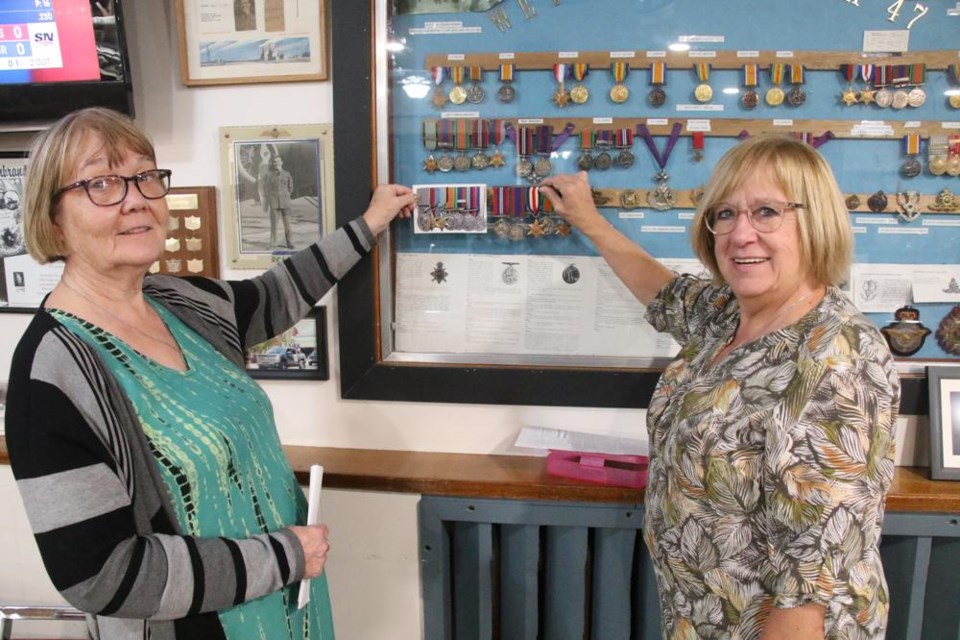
363 374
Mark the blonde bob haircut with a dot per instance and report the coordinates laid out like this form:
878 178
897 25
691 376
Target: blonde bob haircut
53 162
826 239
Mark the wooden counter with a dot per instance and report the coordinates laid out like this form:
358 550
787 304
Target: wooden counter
525 478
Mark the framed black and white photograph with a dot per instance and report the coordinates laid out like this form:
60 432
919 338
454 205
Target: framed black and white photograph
944 422
299 353
23 281
277 191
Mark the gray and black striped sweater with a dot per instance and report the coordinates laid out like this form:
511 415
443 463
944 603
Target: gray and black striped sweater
96 502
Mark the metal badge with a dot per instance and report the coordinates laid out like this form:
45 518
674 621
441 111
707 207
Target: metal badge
195 265
657 97
945 202
852 202
194 244
192 223
877 202
948 333
750 99
629 199
171 245
906 334
662 197
909 203
796 97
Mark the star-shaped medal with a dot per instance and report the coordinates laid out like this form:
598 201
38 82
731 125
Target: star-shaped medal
561 98
563 229
496 160
849 97
868 96
536 229
430 164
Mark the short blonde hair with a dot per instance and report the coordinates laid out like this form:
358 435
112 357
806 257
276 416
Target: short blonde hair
826 239
53 162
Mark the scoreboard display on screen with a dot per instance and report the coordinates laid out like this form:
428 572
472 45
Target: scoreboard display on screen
47 41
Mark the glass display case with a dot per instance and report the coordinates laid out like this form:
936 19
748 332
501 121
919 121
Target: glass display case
488 296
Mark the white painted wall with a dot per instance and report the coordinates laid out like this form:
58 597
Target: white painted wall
373 565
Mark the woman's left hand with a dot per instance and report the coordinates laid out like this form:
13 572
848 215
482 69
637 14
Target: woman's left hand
388 202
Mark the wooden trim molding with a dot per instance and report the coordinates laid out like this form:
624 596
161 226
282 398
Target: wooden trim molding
526 478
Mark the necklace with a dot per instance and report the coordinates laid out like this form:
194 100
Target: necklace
168 344
781 315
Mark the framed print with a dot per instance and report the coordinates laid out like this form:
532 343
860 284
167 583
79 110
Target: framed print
944 422
247 41
23 281
277 191
299 353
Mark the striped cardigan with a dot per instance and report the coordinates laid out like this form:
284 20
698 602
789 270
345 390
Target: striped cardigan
96 502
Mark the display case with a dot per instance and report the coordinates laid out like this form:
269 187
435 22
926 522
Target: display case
487 296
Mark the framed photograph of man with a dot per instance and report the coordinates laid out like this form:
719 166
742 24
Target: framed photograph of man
299 353
944 422
277 187
246 41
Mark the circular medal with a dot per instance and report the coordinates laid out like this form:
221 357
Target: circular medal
424 221
524 168
548 225
937 164
579 94
619 93
657 97
585 161
506 93
900 99
480 161
461 163
774 96
852 202
517 232
603 161
796 97
542 167
458 95
953 166
948 333
501 228
954 100
750 99
625 159
911 168
916 97
884 98
455 222
445 163
571 274
877 202
475 94
703 93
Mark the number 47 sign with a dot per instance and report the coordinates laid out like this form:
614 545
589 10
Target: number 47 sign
894 10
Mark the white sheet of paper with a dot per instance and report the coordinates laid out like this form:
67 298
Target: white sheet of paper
313 517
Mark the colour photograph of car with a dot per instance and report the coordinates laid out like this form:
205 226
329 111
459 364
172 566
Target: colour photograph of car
282 358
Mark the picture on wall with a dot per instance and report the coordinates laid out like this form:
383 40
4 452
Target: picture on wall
23 281
247 41
278 191
944 422
299 353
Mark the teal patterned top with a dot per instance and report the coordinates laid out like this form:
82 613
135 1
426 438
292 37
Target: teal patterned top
212 432
769 468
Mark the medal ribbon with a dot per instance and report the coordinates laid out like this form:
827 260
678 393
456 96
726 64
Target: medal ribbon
462 139
446 134
866 72
517 199
703 71
561 72
476 73
953 145
776 72
918 74
750 72
430 134
498 131
451 202
620 71
802 136
533 200
911 144
506 72
658 73
604 138
580 71
543 139
480 136
819 141
698 140
901 74
457 74
498 203
586 139
432 196
561 137
624 138
953 70
525 142
848 71
883 73
473 200
664 158
796 74
439 75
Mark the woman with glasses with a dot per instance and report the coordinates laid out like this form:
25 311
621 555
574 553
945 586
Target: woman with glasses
148 461
772 432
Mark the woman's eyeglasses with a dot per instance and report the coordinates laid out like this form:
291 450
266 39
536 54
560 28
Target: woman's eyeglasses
105 191
765 217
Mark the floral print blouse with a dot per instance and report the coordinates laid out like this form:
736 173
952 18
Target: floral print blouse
769 468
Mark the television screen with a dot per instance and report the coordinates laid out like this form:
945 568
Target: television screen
60 55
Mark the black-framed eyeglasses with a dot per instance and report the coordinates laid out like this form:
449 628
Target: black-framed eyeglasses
105 191
765 217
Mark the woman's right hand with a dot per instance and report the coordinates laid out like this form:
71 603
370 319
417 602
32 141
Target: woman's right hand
572 198
315 541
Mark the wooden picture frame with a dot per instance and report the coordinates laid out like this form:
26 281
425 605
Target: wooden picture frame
944 385
192 246
251 41
272 208
300 353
